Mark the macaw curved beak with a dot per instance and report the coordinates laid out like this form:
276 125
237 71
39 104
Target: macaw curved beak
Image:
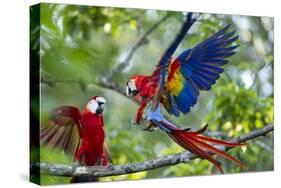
135 92
100 108
100 102
131 88
131 92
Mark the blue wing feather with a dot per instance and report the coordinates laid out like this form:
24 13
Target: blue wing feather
209 66
206 77
187 70
172 107
201 83
183 103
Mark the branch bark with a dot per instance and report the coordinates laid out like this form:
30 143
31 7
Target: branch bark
113 170
51 82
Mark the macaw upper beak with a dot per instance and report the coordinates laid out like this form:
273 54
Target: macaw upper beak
100 108
130 92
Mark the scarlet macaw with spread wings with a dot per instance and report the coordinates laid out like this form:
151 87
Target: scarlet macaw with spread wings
80 134
176 84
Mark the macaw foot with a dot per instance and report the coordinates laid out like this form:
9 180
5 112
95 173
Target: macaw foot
147 125
134 123
110 166
150 127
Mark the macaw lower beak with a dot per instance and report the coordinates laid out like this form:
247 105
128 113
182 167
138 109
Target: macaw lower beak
135 92
99 110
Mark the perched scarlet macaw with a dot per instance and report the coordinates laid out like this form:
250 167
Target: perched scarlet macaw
79 133
175 85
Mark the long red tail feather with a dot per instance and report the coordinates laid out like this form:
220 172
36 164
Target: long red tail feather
186 143
217 151
221 142
199 145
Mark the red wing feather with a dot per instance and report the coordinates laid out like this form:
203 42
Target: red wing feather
63 130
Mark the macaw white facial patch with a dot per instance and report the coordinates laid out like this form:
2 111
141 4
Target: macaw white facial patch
131 86
92 106
101 99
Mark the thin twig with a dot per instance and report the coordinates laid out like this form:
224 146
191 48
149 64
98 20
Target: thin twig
101 83
113 170
143 40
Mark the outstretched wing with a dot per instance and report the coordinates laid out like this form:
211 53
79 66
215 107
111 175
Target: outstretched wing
63 130
196 69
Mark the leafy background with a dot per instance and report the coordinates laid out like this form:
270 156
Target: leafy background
79 47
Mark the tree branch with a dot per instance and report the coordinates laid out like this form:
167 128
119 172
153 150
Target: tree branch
51 82
113 170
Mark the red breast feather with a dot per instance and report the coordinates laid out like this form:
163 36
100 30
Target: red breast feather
93 129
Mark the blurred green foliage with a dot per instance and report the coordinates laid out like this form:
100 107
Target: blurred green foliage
80 44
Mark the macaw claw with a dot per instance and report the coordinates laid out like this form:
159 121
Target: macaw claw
148 129
110 166
134 123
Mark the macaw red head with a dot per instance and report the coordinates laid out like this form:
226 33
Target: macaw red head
134 85
95 105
